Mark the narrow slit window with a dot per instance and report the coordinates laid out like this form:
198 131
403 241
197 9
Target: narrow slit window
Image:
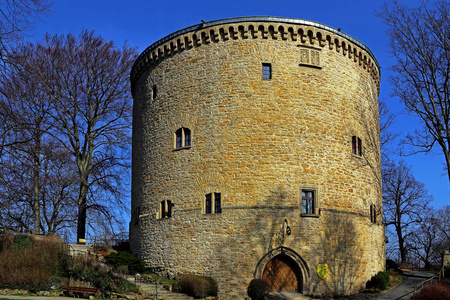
154 92
356 146
217 203
163 209
187 137
208 204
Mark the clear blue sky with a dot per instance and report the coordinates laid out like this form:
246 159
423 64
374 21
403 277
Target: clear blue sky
141 23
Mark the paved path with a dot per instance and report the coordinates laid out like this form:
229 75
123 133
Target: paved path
405 290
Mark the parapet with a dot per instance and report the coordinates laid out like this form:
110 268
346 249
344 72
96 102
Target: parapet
287 29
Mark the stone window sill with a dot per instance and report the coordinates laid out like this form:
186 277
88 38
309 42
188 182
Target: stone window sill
182 148
309 215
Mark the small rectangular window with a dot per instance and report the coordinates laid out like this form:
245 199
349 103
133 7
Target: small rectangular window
208 204
266 71
307 202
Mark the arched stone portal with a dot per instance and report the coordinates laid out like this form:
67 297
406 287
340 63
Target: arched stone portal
284 269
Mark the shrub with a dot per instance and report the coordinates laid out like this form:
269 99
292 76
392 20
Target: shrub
436 291
196 286
392 265
23 241
258 289
91 272
379 281
6 241
125 258
31 268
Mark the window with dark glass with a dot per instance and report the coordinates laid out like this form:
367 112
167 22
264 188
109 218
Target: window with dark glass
213 203
163 209
217 203
187 137
266 71
308 201
179 138
356 146
208 204
154 92
183 138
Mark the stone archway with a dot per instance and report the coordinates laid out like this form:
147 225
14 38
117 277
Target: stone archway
284 269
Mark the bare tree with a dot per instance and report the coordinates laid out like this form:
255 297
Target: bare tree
36 176
420 41
87 82
17 17
405 200
442 223
27 102
424 242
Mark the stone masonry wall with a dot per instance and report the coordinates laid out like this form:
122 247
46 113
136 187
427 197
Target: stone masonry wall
258 142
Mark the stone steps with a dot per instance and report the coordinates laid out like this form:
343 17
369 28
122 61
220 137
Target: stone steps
75 249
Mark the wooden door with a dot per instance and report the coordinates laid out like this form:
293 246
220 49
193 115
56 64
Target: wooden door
283 275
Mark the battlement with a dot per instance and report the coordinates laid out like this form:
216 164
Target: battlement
295 30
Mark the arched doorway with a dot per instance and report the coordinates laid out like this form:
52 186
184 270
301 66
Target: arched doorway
284 263
283 274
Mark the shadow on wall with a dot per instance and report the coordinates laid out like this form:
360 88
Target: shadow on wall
342 252
262 227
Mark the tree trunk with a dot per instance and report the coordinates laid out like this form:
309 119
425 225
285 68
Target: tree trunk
36 187
401 246
82 209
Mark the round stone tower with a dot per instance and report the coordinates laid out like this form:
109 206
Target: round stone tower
256 154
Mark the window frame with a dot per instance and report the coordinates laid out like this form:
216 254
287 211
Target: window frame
357 149
165 209
212 203
266 71
182 138
373 213
314 212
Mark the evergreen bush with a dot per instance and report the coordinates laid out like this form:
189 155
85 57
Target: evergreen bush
379 281
125 258
392 265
